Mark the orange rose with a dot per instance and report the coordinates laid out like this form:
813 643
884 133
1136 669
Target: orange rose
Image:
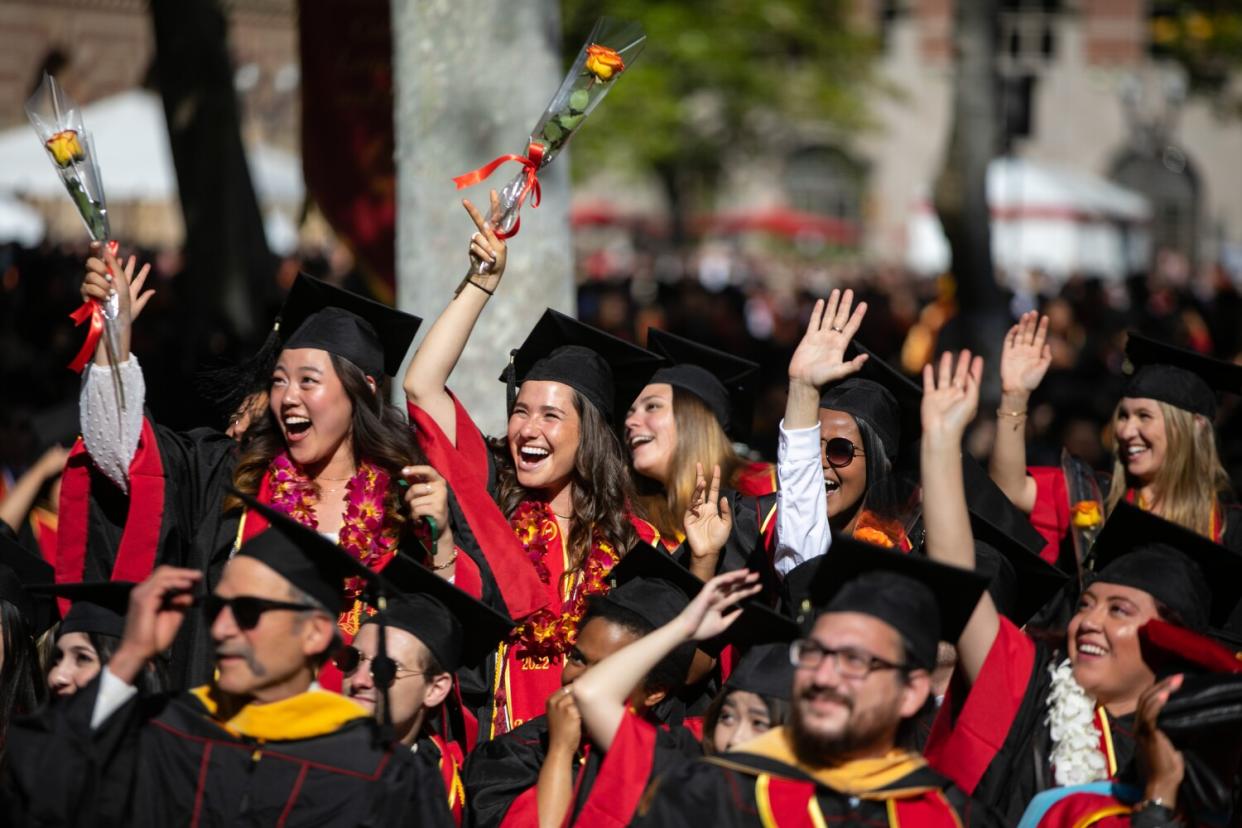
603 62
1086 514
873 536
65 147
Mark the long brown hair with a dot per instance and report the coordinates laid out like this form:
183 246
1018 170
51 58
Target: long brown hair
700 439
600 482
1189 482
378 431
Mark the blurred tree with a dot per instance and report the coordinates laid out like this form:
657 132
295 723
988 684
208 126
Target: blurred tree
960 191
1204 36
721 78
228 266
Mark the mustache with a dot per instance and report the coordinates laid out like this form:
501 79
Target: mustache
825 694
246 653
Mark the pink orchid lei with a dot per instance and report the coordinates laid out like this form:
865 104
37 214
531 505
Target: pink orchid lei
366 533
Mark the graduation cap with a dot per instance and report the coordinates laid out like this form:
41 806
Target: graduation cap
19 569
1183 379
561 349
1007 549
882 397
925 601
97 607
1183 570
372 336
455 627
1168 648
720 380
765 670
305 558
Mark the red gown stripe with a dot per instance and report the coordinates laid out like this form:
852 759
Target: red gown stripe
963 749
1050 516
623 775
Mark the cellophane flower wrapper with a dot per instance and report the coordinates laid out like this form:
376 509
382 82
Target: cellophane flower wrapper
609 52
57 120
1084 492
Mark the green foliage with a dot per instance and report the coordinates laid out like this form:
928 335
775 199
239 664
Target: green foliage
1205 36
718 76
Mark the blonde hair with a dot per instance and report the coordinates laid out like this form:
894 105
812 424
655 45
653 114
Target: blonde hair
1189 482
700 439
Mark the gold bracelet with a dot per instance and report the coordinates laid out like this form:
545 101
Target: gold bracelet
1003 413
444 566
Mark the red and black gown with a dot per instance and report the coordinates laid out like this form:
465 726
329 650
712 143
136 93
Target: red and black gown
502 775
313 760
761 785
519 565
993 738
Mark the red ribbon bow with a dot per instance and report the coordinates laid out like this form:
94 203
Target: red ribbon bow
92 310
531 161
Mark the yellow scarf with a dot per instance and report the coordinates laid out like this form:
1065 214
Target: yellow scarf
857 778
306 715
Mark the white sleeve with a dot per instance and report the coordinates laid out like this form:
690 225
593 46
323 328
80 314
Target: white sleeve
111 436
112 695
802 530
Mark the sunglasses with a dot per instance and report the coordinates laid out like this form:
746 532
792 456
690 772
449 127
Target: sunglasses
840 452
348 659
246 609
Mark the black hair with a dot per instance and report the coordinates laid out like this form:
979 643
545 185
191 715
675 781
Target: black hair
778 714
150 681
670 673
22 688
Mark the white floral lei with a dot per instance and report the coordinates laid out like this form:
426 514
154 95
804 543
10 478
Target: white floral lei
1076 755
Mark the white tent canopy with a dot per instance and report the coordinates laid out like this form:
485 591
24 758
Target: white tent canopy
1056 220
135 159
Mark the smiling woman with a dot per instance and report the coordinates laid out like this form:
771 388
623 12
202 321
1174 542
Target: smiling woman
548 501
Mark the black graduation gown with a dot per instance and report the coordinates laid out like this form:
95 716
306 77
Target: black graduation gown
162 760
742 789
172 514
501 775
994 740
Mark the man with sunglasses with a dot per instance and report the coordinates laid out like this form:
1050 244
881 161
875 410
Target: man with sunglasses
861 677
432 629
260 745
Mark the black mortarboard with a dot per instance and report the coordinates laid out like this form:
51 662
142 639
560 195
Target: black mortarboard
1183 570
20 568
925 601
880 395
97 607
1007 549
722 381
597 365
372 336
304 558
1183 379
454 626
765 670
652 583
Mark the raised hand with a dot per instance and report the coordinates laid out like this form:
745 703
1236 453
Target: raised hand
427 497
950 396
105 276
157 606
707 522
1026 355
488 252
708 615
820 356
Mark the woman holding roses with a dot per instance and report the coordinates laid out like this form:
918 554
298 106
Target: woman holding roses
549 501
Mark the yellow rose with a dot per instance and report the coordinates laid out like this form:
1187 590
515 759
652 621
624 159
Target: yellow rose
1086 514
603 62
65 147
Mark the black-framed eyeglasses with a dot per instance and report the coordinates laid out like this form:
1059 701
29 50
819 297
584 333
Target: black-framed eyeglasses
840 452
350 659
247 609
808 654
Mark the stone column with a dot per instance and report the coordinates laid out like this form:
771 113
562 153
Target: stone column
471 78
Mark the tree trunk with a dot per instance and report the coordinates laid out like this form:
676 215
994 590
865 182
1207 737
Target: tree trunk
961 188
228 268
469 84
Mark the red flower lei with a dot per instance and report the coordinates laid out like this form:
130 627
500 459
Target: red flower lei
366 533
551 633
